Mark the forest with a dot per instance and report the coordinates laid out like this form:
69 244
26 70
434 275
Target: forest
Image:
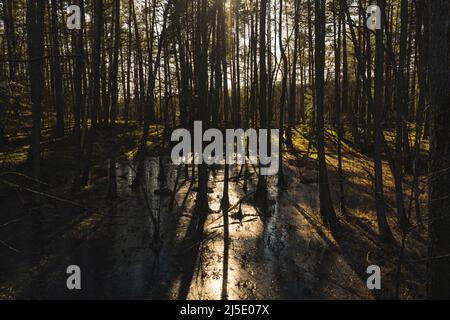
92 93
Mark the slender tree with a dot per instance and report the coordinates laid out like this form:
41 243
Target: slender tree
326 205
35 41
383 226
56 72
261 193
439 176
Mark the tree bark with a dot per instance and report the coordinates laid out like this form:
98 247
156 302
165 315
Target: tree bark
35 41
439 176
326 205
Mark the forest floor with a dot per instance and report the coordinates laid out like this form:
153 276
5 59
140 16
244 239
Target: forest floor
141 245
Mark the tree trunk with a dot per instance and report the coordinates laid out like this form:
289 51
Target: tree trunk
383 226
57 76
326 205
35 41
112 181
281 179
78 36
201 77
439 176
261 189
293 87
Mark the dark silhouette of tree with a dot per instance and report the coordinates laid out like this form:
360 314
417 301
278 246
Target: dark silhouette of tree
439 176
35 42
326 205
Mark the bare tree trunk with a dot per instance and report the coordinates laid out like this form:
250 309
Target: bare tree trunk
399 112
422 29
337 103
10 34
238 66
127 76
281 179
201 78
226 98
261 189
326 205
96 88
293 86
112 181
140 68
78 36
383 226
57 76
35 41
439 176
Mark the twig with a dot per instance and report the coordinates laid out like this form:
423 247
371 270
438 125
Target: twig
10 247
14 185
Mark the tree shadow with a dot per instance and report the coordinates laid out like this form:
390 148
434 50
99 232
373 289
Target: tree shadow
189 250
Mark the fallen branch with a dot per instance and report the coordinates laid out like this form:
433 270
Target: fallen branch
10 247
46 195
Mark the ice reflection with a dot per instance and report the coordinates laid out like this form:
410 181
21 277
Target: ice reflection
150 258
